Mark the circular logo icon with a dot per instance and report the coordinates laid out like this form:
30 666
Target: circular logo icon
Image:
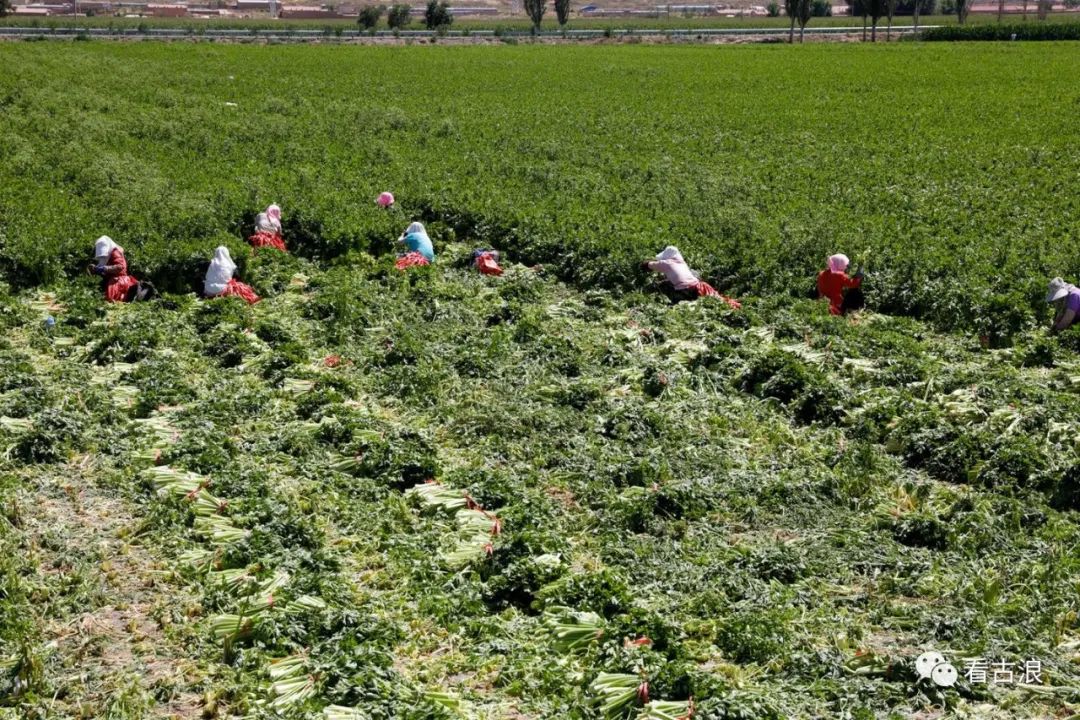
933 666
926 662
943 675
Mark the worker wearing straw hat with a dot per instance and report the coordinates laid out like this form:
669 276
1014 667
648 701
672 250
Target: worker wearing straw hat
1067 299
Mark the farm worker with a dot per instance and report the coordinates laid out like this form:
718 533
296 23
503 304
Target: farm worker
268 230
420 249
844 293
220 282
681 282
487 261
385 200
1067 298
111 265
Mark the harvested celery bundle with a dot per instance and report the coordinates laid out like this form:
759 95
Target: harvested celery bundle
573 630
617 692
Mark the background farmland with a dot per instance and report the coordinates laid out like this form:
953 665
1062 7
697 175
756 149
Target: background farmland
770 511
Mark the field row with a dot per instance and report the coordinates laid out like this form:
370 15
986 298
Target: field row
758 162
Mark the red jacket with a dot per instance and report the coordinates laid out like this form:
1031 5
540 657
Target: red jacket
832 285
117 282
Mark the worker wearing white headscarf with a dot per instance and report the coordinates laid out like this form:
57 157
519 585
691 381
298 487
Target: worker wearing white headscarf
670 262
111 264
219 281
220 272
416 239
268 229
269 220
103 248
420 251
682 282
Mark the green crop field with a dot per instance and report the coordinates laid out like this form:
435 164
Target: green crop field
638 510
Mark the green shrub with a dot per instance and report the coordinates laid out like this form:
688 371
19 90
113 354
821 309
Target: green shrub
56 432
756 635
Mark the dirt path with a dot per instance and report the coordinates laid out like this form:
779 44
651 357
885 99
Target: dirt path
111 617
111 652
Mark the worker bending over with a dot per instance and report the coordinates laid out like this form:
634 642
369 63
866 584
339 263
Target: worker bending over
681 282
111 264
268 230
1067 299
220 282
420 251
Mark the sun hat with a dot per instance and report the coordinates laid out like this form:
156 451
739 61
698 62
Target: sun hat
385 199
1058 289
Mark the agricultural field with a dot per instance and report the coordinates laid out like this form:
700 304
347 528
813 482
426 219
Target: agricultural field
551 494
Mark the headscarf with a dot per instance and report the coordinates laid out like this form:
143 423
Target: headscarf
670 253
269 221
1058 289
838 262
103 248
415 228
219 273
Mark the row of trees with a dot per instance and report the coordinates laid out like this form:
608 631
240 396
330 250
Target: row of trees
872 11
535 9
436 15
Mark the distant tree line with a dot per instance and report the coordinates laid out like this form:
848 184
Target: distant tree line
437 15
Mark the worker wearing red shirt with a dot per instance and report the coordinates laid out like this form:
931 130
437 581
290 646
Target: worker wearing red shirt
111 265
842 291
